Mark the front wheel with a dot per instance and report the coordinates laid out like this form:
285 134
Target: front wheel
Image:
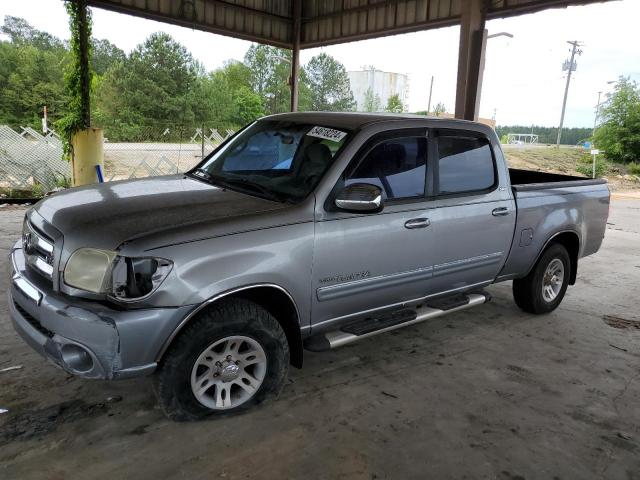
543 289
234 355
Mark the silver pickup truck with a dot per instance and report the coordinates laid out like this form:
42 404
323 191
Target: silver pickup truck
307 230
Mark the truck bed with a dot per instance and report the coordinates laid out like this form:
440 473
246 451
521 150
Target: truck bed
548 204
529 180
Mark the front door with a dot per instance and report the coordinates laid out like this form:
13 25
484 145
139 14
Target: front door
366 261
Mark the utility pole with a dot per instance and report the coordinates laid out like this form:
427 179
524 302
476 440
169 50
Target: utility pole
595 120
430 92
295 53
45 126
570 66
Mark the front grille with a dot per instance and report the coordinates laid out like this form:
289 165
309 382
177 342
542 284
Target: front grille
33 321
38 250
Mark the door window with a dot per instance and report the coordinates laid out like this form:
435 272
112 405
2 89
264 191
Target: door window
397 166
464 165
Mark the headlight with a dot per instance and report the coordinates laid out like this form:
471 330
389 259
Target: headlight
134 278
106 272
89 269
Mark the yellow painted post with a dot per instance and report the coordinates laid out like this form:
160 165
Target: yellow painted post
87 153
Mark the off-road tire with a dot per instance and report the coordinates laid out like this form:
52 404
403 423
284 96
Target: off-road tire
172 379
527 291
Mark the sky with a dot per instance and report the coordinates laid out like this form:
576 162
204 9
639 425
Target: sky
523 80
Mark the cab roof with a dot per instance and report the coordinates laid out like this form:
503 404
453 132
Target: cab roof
356 120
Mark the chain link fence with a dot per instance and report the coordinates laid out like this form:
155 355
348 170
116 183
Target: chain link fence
32 161
159 150
29 159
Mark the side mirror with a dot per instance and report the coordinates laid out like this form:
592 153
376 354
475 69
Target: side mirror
360 197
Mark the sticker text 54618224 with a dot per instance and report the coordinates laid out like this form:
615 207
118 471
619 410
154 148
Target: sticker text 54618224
327 134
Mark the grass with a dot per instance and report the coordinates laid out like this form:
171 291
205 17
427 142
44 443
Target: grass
17 193
634 168
548 159
573 161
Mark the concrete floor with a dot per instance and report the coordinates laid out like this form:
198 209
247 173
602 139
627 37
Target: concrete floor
486 393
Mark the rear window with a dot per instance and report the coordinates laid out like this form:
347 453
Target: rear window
465 164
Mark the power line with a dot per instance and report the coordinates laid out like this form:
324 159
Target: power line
569 66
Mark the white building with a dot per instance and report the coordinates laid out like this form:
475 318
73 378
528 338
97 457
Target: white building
382 84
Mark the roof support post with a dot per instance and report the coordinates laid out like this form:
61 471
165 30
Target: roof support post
85 75
473 40
295 54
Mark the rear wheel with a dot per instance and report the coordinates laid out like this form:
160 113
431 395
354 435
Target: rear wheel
233 356
544 288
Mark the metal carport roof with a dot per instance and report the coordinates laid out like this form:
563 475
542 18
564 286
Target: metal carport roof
323 22
298 24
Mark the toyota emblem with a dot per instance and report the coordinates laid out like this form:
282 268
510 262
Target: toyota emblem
26 242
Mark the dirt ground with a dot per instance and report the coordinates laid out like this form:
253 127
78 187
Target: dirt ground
565 160
490 392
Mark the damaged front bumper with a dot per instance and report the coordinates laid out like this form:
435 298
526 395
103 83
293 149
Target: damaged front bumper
85 338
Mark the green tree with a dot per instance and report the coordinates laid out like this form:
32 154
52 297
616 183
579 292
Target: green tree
212 98
270 69
394 104
104 54
21 33
328 83
33 79
372 102
31 74
259 61
155 84
570 136
248 106
305 96
237 74
225 99
619 133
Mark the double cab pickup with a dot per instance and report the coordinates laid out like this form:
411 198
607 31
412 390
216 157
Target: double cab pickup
302 231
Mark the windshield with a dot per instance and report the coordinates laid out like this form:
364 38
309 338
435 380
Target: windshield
282 161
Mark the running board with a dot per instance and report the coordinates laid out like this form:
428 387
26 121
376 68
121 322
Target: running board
357 330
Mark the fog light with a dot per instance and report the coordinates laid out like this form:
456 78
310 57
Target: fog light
76 358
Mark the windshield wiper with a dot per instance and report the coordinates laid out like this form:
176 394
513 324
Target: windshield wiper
201 174
244 183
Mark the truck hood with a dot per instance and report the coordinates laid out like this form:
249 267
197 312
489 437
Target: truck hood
109 214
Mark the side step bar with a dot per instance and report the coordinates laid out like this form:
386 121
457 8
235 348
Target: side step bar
369 327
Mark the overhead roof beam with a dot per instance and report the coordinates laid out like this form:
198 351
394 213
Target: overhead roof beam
348 11
254 11
324 22
216 16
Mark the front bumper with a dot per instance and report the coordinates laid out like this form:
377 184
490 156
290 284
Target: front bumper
85 338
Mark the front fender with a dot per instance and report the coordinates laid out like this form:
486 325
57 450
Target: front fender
206 268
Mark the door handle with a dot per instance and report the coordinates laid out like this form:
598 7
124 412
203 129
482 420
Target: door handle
417 223
500 212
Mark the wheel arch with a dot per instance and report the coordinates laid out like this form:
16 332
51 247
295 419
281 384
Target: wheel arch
570 240
274 298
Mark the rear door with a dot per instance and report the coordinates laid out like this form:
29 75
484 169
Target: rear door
369 260
475 211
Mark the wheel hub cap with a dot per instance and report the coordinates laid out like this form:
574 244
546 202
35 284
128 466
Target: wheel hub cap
552 280
228 372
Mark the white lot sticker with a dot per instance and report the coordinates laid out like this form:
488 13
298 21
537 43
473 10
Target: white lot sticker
327 133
